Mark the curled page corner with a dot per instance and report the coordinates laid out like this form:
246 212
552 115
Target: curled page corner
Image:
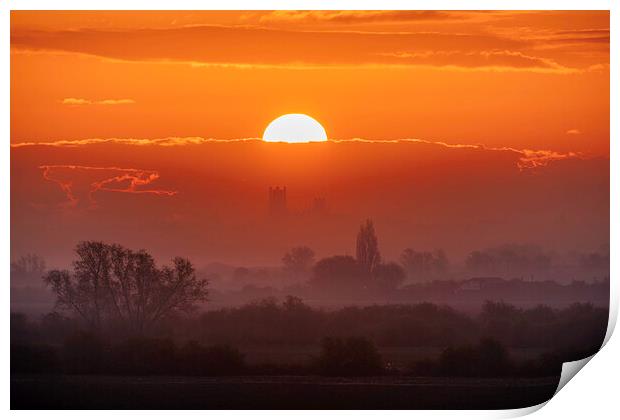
613 316
521 412
569 370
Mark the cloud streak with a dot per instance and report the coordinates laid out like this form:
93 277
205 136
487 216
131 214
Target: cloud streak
164 142
526 159
497 59
358 16
82 101
247 46
102 178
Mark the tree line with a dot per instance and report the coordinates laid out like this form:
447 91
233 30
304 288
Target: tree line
111 285
347 342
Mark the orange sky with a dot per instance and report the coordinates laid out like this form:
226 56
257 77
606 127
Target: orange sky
509 112
535 80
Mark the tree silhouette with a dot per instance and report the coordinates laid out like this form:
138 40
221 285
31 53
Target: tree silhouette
28 269
116 283
421 265
367 249
509 260
388 277
298 261
339 273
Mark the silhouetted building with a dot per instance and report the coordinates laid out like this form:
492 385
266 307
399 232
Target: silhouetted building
277 201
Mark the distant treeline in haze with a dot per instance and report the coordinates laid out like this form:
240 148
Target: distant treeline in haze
118 311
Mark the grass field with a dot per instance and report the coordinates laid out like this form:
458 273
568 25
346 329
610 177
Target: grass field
275 392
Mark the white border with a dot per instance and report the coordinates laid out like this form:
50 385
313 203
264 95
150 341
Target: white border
311 4
593 394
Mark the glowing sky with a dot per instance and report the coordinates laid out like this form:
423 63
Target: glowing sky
522 79
131 126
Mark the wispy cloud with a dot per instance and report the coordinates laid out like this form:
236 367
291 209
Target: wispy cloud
358 16
525 158
497 59
249 47
573 132
164 142
82 101
65 185
531 159
112 179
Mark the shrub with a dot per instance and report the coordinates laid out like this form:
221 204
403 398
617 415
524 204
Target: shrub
33 359
144 356
489 358
196 359
350 357
83 353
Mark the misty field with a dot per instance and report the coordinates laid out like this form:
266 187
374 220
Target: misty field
275 392
132 336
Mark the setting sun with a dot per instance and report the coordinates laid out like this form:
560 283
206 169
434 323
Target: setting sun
294 128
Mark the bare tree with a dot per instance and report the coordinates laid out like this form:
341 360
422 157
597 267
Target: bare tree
71 295
367 250
27 269
298 260
92 274
113 282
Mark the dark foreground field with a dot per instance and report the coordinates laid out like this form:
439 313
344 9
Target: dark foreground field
275 392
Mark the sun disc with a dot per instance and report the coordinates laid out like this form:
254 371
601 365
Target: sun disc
294 128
